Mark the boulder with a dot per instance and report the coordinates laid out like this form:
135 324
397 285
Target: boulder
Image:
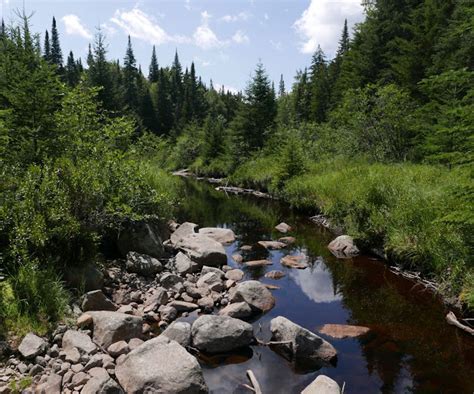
87 277
305 349
84 321
220 334
111 327
206 304
32 346
52 385
95 300
179 332
283 228
183 264
142 264
101 383
160 365
253 293
238 310
203 250
235 275
299 261
143 236
275 274
183 231
222 235
343 247
78 340
322 385
271 244
341 331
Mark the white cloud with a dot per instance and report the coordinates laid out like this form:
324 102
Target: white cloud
240 37
204 36
140 25
321 23
219 86
75 27
187 5
109 30
241 16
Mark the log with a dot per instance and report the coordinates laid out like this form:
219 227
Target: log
453 320
254 382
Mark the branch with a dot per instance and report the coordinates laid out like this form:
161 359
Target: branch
254 381
453 320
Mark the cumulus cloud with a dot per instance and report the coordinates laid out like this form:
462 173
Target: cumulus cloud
204 36
241 16
321 23
240 37
140 25
75 27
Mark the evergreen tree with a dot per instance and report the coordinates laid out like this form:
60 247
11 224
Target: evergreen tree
72 71
154 69
164 107
176 90
319 87
56 53
302 97
281 87
47 47
334 69
130 77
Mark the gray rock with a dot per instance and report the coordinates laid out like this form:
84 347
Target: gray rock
206 269
95 300
111 327
235 275
143 236
203 250
158 297
168 313
76 339
209 279
253 293
220 334
169 280
283 228
36 370
206 304
322 385
72 355
183 231
179 332
306 349
271 245
343 247
183 306
142 264
32 346
52 385
183 264
118 348
102 384
238 310
160 365
222 235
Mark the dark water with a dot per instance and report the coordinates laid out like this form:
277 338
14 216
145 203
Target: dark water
410 348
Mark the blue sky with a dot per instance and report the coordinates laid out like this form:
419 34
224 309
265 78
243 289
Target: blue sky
225 38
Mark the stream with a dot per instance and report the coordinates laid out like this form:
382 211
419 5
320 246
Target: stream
410 347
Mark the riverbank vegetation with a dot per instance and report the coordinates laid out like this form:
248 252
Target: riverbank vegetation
379 138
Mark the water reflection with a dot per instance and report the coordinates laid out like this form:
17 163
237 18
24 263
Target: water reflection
410 348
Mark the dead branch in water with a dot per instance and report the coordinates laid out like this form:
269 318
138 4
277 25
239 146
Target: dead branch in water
262 343
254 381
453 320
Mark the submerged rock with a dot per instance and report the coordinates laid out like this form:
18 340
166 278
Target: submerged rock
304 348
298 262
222 235
160 365
257 263
275 274
343 247
253 293
271 244
341 331
220 334
322 385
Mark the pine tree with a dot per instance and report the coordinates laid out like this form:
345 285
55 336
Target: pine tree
176 91
154 69
56 54
130 77
334 69
72 72
281 87
47 47
319 87
302 97
90 57
164 107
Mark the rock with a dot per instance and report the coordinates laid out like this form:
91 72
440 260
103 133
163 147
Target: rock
257 263
179 332
341 331
206 304
299 262
158 297
196 292
122 297
271 244
183 231
142 264
222 235
235 275
84 321
72 355
87 277
173 225
168 313
183 306
220 334
206 269
283 228
209 279
343 247
246 248
238 310
306 349
287 240
52 385
118 348
79 379
160 365
127 309
134 343
111 327
253 293
95 300
36 370
237 258
322 385
79 340
169 280
271 287
203 250
32 346
275 274
101 383
183 264
144 237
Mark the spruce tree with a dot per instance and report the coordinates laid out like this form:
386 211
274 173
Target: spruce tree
72 72
281 87
319 87
177 89
164 107
154 69
56 54
130 77
302 96
47 47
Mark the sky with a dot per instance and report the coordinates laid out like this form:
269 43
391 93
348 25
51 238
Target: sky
224 38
